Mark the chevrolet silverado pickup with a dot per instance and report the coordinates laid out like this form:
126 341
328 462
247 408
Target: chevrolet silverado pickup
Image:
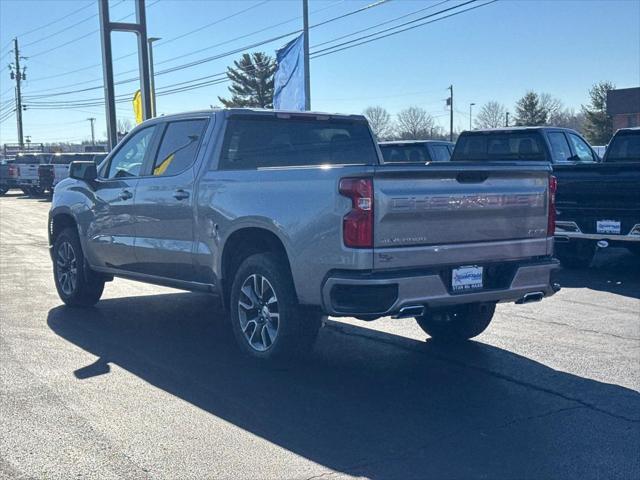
290 216
597 201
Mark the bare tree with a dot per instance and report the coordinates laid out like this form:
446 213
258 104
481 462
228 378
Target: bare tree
414 123
124 126
380 122
491 115
553 106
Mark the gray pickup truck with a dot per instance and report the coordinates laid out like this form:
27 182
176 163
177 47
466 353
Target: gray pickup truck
291 216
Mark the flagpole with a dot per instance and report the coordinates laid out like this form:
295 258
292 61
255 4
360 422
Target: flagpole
307 78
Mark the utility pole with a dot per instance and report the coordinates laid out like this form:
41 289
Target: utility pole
93 132
152 81
307 77
471 115
451 113
506 120
18 75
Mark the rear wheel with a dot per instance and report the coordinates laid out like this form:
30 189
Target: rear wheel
3 190
37 191
26 190
457 323
265 316
575 254
77 285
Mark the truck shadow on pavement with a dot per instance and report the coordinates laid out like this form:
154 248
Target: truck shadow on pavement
614 270
369 403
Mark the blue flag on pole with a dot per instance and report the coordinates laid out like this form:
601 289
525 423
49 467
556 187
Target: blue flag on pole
289 78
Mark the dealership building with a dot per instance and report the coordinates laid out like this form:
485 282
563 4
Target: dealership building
624 107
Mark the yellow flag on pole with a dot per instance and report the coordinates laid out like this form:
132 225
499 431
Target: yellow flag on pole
137 106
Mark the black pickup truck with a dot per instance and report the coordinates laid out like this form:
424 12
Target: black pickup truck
597 201
599 205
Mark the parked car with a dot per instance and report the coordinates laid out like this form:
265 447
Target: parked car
289 217
416 151
8 176
596 201
28 174
52 173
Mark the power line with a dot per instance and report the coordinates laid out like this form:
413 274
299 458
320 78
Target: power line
24 34
352 43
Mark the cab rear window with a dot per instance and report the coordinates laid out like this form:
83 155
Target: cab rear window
500 146
265 141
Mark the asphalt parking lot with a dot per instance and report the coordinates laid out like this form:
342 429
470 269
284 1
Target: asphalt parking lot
149 384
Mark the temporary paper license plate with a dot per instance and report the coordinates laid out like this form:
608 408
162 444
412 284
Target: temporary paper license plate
466 278
608 226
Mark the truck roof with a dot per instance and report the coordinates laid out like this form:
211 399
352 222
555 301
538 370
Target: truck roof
518 129
257 111
413 142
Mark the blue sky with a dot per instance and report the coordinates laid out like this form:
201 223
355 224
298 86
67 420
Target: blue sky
495 52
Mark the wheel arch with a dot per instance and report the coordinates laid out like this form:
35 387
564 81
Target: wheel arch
241 244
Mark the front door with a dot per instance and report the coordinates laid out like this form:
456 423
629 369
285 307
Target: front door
165 203
111 231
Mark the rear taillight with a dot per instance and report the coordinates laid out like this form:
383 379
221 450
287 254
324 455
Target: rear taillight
357 225
553 188
14 171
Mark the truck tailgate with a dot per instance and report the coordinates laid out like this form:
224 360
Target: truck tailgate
450 206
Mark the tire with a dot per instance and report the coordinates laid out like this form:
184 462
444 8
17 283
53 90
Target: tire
37 191
77 285
575 254
26 190
3 190
458 323
266 319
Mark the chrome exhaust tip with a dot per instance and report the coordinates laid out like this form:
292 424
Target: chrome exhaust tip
411 311
531 298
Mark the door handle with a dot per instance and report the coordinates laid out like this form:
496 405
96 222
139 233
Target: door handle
125 195
180 194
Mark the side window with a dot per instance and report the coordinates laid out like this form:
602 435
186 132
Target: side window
129 158
179 146
582 149
441 153
559 147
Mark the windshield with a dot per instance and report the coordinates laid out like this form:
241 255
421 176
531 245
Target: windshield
625 147
500 146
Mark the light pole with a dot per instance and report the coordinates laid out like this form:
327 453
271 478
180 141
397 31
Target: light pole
93 132
151 75
471 115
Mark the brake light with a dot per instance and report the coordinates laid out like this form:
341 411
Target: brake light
14 171
553 188
357 225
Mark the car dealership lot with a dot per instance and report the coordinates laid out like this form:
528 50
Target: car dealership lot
149 384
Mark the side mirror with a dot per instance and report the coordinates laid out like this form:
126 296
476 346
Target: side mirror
86 171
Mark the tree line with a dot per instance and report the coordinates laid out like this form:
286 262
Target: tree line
252 86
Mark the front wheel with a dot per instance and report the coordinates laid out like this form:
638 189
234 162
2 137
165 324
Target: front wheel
77 285
265 316
458 323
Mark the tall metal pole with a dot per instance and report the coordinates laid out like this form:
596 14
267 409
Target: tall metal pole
470 114
143 58
93 133
307 77
451 114
107 69
152 82
18 75
140 29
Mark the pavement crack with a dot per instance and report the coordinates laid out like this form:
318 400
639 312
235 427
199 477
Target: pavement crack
587 330
341 328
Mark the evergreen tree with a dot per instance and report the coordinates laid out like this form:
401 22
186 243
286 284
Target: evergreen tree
252 81
530 111
598 125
